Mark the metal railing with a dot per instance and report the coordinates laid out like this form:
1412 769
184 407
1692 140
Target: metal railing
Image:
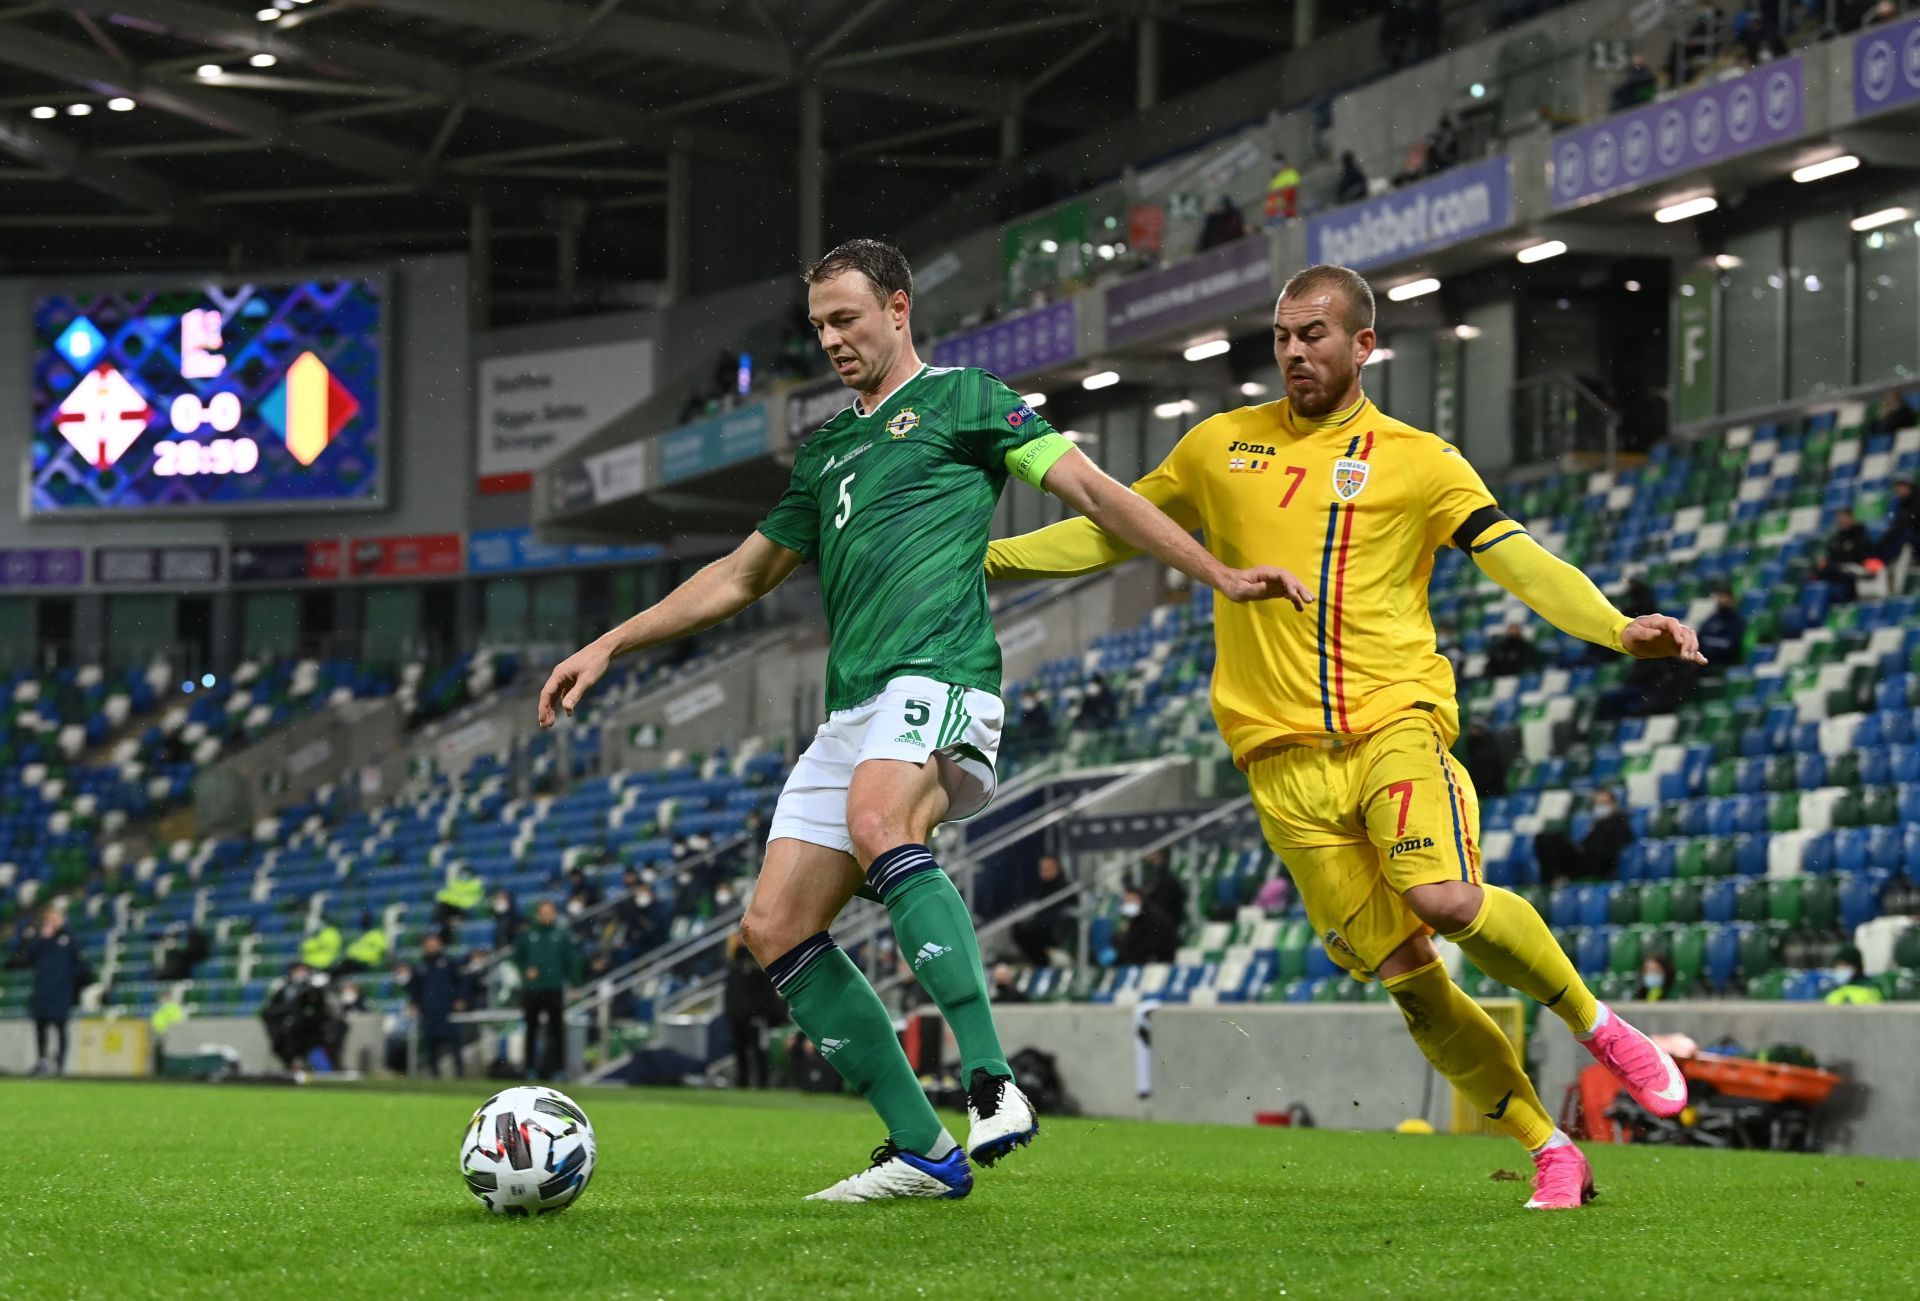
1555 416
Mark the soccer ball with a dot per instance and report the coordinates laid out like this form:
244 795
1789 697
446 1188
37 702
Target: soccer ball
527 1151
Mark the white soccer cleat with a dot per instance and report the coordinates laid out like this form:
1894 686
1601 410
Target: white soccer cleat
902 1174
999 1117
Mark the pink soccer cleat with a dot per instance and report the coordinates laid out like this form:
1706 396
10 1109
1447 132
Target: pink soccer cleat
1642 1066
1562 1180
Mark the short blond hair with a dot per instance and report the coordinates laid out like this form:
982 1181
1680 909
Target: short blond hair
1353 287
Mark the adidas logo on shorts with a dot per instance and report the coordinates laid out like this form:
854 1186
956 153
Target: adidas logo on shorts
910 737
928 952
828 1047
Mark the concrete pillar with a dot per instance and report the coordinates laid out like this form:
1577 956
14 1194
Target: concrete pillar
1147 64
480 266
1010 137
679 223
812 173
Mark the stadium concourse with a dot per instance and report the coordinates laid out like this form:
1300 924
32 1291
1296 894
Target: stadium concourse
371 356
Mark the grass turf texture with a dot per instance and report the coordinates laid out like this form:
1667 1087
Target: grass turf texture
178 1190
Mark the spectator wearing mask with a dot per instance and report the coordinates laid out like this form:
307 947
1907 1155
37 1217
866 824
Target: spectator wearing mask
549 962
1723 634
639 917
1512 653
1850 542
1097 709
1352 185
1893 414
580 885
1597 856
1147 932
1851 987
1035 718
1052 927
1843 585
60 972
752 1006
506 920
1656 981
435 993
1003 989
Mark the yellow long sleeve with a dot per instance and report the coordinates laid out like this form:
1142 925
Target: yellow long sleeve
1079 546
1548 585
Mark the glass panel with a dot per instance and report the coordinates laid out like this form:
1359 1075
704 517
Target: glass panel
1890 299
138 628
1751 294
1819 361
392 631
270 623
556 607
506 602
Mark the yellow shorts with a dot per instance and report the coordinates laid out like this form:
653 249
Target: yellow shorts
1360 823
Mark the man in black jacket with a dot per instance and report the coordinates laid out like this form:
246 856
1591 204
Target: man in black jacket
436 992
1597 856
1723 634
1147 933
60 972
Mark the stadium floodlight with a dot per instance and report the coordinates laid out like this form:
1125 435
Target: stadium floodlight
1253 388
1049 246
1540 252
1173 410
1209 348
45 111
1464 332
208 70
120 104
268 15
79 110
1727 261
1820 171
1101 379
263 60
1413 289
1698 206
1633 286
1378 355
1034 400
1884 217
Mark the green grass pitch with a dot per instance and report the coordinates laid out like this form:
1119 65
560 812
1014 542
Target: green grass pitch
126 1190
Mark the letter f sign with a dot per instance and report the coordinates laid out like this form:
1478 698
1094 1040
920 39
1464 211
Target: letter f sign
1692 353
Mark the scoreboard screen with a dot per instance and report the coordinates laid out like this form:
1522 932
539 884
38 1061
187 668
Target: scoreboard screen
209 398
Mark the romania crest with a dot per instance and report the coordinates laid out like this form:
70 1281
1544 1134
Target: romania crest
1349 477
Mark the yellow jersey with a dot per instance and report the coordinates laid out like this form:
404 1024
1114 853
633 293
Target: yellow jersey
1355 504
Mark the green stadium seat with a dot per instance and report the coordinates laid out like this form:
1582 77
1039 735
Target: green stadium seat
1770 984
1780 774
1879 806
1666 822
1690 864
1686 903
1820 903
1846 810
1656 942
1900 985
1785 901
1750 901
1623 905
1295 938
1759 951
1656 903
1719 858
1906 947
1623 952
1844 769
1690 954
1783 812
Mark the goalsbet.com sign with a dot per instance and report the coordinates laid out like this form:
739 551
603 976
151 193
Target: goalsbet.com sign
1445 209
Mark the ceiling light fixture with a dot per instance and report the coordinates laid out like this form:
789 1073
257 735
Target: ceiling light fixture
1820 171
1695 207
1542 251
1884 217
1413 289
1210 348
1101 379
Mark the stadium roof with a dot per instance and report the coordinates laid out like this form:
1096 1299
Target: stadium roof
335 129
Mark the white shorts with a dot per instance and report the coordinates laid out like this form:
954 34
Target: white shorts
911 720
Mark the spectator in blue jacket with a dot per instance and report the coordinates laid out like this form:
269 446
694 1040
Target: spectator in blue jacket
1723 635
60 972
435 993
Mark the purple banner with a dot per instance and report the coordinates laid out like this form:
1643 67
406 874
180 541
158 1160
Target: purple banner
1763 107
1218 281
1886 67
1456 205
42 567
1016 344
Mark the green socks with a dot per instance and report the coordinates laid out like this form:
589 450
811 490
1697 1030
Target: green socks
836 1007
934 930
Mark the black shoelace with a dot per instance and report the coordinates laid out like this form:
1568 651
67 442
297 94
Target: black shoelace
984 1092
885 1153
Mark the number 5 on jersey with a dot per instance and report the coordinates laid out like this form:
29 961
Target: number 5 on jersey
841 516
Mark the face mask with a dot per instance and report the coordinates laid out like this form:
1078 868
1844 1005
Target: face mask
499 905
1654 979
1129 910
722 899
575 908
644 900
1845 975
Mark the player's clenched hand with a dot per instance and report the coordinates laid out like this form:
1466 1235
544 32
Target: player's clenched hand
1264 583
570 680
1659 637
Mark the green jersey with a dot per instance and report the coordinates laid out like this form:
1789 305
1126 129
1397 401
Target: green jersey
895 505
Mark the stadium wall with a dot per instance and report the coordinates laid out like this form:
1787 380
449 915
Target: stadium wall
1353 1067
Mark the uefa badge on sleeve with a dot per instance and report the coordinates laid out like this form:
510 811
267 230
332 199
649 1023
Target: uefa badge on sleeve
1349 477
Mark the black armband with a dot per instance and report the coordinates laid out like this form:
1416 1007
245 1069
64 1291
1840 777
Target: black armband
1476 524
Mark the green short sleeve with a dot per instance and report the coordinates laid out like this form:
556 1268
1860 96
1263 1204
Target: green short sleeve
794 521
1030 462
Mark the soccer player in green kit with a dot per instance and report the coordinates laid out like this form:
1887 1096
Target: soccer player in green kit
893 499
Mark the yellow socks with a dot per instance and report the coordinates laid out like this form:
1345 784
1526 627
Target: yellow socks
1464 1044
1509 942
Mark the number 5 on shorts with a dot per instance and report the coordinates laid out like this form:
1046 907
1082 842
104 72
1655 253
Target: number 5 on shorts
918 712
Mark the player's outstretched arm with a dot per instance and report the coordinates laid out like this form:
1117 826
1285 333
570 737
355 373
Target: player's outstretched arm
1134 520
714 595
1567 598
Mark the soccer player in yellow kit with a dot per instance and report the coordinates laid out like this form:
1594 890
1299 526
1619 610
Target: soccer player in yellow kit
1342 715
